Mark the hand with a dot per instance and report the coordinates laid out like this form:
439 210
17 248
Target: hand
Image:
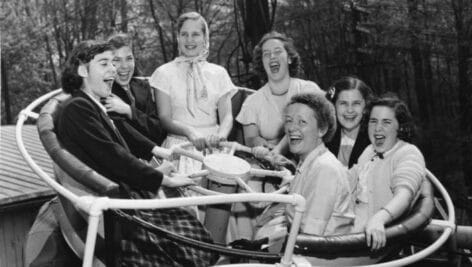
213 140
260 152
375 233
281 161
166 167
197 140
177 181
115 104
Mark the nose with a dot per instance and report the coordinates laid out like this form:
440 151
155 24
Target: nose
113 68
350 108
378 127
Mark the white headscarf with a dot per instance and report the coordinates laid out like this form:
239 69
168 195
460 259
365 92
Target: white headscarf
197 93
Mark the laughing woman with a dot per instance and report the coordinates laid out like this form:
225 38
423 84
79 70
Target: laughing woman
390 171
276 61
320 178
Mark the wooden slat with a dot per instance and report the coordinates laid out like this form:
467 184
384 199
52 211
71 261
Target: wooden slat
18 182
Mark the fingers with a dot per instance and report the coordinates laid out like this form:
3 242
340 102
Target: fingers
376 239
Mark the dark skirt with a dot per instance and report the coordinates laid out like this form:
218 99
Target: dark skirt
139 247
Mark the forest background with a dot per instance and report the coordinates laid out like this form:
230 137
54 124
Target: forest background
419 49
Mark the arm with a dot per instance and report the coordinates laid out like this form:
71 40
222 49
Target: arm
282 147
375 228
252 136
407 178
225 116
84 128
321 190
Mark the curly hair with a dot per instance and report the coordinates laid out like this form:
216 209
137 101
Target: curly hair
295 65
323 110
406 125
83 53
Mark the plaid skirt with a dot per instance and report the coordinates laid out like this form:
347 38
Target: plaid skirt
142 248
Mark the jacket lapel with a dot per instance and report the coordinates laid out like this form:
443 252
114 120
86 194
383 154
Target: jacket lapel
108 122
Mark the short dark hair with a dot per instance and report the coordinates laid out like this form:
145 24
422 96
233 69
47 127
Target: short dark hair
349 83
294 67
323 110
406 127
83 53
120 40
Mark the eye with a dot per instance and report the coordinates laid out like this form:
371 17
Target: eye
266 54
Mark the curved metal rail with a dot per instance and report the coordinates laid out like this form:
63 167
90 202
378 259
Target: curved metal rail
94 206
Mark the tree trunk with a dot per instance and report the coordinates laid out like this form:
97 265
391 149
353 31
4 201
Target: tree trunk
6 93
417 60
159 30
124 15
463 19
51 62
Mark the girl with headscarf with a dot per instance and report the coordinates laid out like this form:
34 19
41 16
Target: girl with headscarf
193 95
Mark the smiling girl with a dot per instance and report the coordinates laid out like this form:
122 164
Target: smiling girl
193 95
350 97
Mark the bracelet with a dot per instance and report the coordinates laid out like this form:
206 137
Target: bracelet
389 212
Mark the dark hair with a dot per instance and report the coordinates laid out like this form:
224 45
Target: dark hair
120 40
83 53
349 83
323 110
406 125
191 16
294 67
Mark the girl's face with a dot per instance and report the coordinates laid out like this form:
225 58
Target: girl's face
191 38
383 128
124 64
350 107
301 129
275 59
98 75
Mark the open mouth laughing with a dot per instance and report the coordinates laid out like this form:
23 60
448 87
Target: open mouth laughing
379 140
274 67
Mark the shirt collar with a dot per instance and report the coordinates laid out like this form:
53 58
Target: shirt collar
388 152
315 153
96 102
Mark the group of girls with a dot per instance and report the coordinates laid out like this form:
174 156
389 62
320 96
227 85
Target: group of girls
354 163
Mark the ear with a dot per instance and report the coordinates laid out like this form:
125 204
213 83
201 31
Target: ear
82 71
322 132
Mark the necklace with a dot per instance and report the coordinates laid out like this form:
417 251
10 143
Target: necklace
279 94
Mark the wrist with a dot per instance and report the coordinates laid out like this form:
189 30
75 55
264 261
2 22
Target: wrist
385 215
